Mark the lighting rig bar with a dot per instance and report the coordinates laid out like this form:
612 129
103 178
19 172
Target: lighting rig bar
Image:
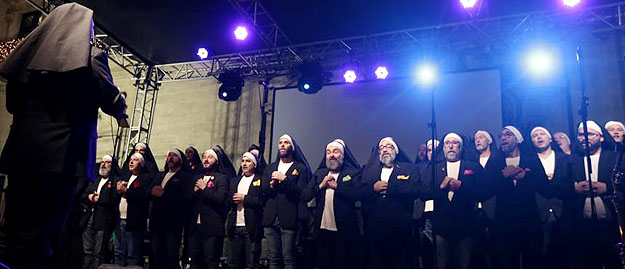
452 40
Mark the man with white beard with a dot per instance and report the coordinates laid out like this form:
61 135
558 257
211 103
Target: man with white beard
100 196
391 186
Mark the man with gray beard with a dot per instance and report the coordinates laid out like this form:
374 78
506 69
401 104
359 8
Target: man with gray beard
455 191
391 185
517 229
100 196
336 186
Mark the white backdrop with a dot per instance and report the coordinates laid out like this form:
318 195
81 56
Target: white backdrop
363 113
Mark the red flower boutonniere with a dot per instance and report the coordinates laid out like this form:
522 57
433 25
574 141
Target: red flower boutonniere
109 185
468 172
136 184
210 184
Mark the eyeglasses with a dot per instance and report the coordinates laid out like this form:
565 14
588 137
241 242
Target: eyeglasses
388 147
589 134
506 135
452 142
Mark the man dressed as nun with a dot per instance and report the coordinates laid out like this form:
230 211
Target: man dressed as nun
282 184
391 186
455 192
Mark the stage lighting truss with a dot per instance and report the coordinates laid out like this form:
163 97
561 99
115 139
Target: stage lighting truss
458 40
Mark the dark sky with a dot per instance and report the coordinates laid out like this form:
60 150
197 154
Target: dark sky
166 31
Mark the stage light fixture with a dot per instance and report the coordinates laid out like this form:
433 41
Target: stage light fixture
202 53
381 72
240 33
540 62
350 76
311 78
468 3
571 3
427 74
231 85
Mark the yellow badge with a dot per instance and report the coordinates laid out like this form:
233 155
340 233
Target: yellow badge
256 183
403 177
295 173
347 178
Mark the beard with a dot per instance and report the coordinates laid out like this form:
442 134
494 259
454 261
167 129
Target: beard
508 147
451 156
104 172
286 153
387 159
173 165
593 146
334 164
481 147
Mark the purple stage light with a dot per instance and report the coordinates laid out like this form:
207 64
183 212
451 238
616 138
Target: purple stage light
468 3
350 76
203 53
240 33
381 72
570 3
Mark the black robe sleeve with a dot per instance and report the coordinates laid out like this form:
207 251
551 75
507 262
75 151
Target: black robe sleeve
109 97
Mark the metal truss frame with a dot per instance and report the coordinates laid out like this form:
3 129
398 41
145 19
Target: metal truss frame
143 110
458 37
264 25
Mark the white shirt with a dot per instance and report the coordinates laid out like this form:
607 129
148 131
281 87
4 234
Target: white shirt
453 169
513 161
243 188
429 206
328 222
284 167
599 206
101 184
167 178
484 161
549 164
386 174
123 204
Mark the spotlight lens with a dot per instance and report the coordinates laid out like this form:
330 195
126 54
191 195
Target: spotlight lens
426 74
468 3
350 76
240 33
306 86
203 53
570 3
381 72
540 62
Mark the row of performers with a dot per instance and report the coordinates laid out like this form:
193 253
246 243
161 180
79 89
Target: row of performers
540 210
